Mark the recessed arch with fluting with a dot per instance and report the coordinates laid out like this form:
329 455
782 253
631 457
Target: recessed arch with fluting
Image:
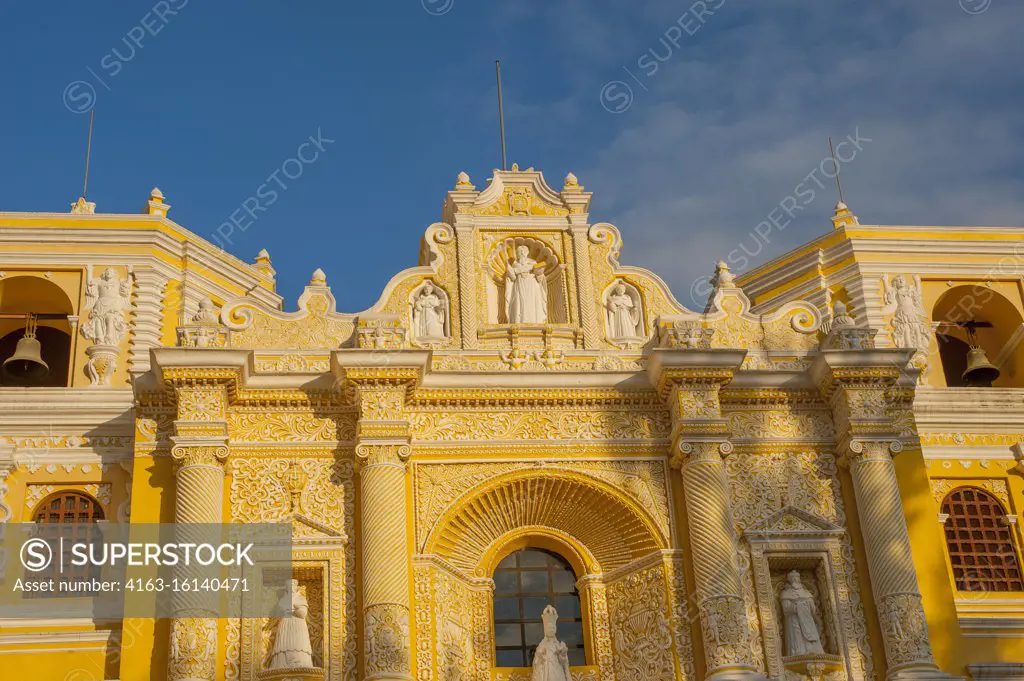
610 526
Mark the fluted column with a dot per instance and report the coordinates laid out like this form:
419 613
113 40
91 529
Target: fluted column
690 381
869 391
199 453
382 453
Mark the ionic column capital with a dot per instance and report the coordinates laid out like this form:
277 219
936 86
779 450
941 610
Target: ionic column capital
189 453
856 450
689 451
369 454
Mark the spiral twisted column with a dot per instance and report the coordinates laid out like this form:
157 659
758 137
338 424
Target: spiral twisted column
716 570
690 382
870 392
386 556
887 545
199 453
382 453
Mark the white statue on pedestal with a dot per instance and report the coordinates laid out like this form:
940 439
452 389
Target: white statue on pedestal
798 609
428 314
107 298
551 660
291 649
623 313
526 291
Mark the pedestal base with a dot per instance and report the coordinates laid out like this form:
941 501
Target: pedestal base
929 673
816 666
300 674
736 675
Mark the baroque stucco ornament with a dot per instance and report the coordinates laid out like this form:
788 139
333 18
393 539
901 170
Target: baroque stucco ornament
464 456
108 300
909 321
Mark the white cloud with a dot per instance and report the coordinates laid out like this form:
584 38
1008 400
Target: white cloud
740 114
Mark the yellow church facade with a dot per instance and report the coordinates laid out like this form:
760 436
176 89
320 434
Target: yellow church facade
817 477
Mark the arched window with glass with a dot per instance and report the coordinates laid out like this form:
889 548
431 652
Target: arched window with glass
981 547
525 582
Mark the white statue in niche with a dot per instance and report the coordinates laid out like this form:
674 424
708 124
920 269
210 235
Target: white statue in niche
291 649
526 290
429 313
623 307
798 610
910 327
551 660
108 298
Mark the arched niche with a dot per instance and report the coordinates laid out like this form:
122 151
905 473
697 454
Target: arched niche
497 262
439 303
1003 342
27 294
625 320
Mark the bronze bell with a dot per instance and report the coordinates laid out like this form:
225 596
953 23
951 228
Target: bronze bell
26 365
979 372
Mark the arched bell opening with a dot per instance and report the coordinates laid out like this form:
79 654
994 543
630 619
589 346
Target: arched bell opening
980 336
35 333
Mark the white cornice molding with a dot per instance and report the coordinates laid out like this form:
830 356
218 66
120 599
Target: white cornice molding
969 410
996 671
965 453
66 410
204 254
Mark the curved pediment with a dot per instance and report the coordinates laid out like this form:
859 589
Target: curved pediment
515 193
517 275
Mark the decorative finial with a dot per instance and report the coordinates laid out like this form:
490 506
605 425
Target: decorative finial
515 167
723 277
843 216
319 278
462 182
841 318
572 183
156 204
83 207
207 313
263 256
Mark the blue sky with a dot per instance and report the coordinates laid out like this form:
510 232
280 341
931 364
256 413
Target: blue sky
730 104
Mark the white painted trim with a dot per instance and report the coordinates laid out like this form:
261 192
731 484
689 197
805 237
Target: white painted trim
967 453
66 637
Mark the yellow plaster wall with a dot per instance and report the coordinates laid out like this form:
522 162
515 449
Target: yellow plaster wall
46 661
953 651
